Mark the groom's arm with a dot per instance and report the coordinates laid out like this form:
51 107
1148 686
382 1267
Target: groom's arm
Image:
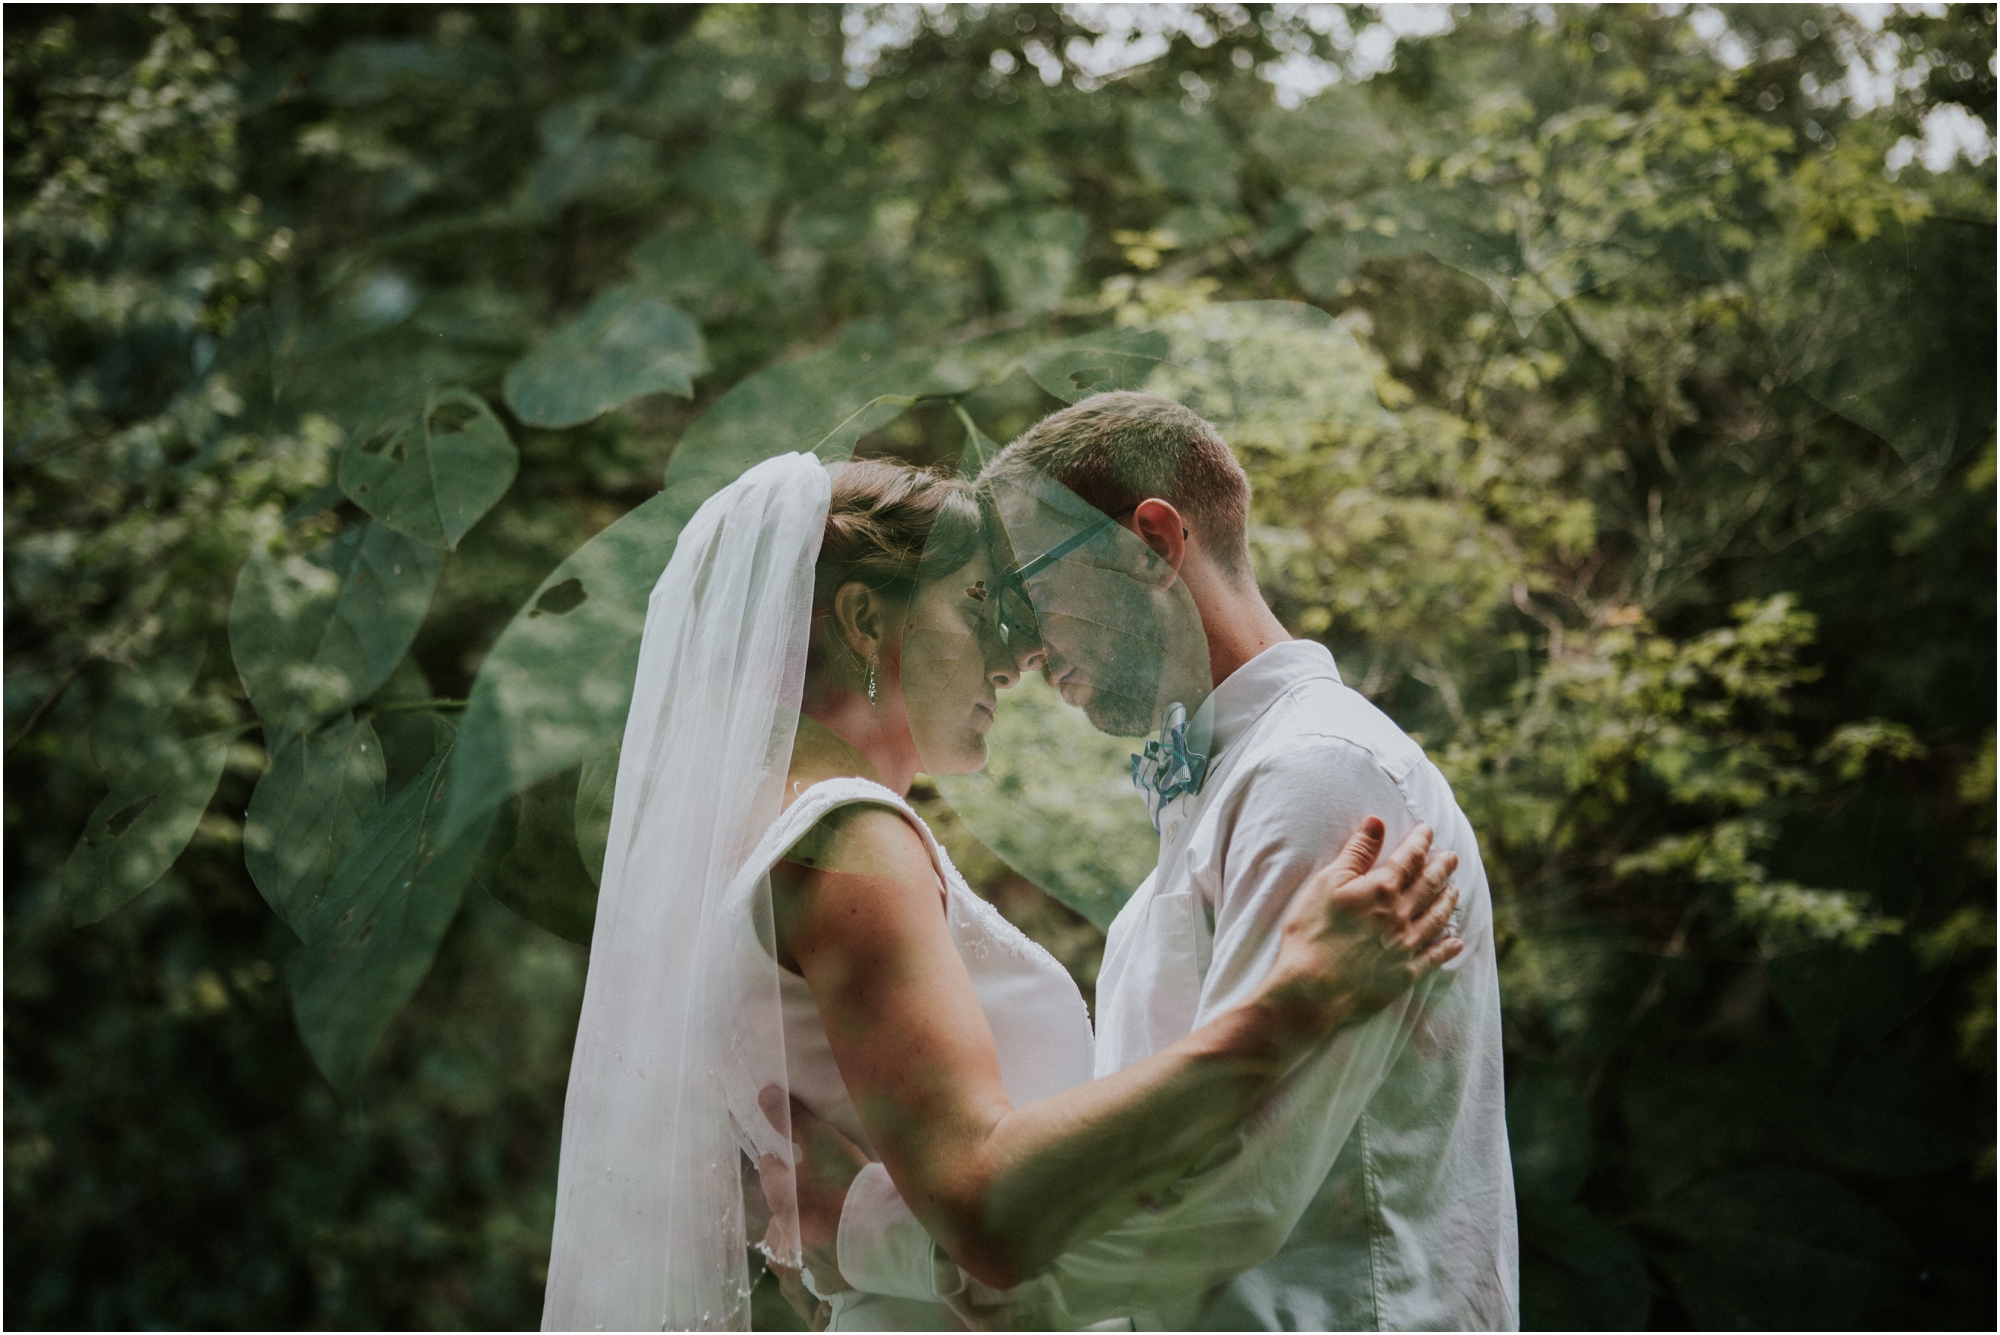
1235 1209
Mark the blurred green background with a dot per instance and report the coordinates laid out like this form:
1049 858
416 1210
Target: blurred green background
333 332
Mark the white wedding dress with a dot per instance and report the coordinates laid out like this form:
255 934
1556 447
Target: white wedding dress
1041 1028
687 1016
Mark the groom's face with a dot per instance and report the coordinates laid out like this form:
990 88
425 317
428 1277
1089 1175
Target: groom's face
1119 638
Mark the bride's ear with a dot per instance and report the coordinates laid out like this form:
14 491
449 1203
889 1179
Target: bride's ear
861 620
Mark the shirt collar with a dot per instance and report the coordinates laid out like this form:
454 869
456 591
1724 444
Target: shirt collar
1253 688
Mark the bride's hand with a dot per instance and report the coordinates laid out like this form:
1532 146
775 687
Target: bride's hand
828 1163
1358 934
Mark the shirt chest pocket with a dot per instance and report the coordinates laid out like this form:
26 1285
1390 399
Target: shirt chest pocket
1167 967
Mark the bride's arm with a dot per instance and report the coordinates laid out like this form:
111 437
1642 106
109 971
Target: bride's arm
1006 1189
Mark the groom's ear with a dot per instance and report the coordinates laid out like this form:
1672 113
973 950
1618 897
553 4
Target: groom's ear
1165 534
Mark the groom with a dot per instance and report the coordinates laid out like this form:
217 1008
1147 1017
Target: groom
1373 1191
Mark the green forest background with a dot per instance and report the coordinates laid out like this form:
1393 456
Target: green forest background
362 361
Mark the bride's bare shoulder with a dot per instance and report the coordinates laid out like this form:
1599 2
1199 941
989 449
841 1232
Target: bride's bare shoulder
862 839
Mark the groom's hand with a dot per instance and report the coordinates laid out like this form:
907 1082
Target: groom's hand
828 1163
1358 933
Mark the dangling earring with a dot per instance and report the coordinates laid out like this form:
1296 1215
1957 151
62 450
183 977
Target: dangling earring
871 681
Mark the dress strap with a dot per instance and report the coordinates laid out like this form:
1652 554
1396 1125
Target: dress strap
814 803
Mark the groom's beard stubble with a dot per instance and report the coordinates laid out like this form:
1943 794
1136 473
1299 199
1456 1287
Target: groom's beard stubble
1124 696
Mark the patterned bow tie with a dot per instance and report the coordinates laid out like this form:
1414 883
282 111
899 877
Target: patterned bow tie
1166 769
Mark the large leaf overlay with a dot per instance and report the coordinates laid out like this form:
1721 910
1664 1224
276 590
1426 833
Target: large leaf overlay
627 343
372 935
1579 1272
316 634
142 825
1778 1250
556 685
1078 830
1035 255
592 817
432 475
1095 363
533 864
319 792
1844 357
1548 1132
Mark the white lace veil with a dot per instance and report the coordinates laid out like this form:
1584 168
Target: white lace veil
651 1226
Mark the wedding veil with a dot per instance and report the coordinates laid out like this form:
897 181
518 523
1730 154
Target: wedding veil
651 1224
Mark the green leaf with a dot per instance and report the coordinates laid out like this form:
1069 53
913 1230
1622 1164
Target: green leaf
1548 1128
316 634
133 722
318 794
142 826
432 476
533 864
1687 1122
627 343
373 934
1114 359
1890 1114
1835 995
556 685
979 447
594 786
1910 382
1778 1250
1035 255
1579 1272
1075 828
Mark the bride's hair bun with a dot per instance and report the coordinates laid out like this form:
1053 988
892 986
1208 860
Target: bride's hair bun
891 525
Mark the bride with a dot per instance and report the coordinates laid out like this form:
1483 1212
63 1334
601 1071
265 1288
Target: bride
776 923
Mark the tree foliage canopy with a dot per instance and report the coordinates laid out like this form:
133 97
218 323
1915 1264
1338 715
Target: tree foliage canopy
1617 390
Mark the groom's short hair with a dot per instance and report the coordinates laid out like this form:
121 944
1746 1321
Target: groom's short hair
1117 449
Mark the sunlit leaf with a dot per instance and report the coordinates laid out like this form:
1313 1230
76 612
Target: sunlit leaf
313 635
372 936
1094 363
431 477
627 343
132 722
142 825
316 796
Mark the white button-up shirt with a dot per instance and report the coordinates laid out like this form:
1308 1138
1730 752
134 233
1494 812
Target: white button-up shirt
1373 1189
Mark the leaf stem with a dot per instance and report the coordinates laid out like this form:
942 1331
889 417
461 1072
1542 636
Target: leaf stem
437 706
